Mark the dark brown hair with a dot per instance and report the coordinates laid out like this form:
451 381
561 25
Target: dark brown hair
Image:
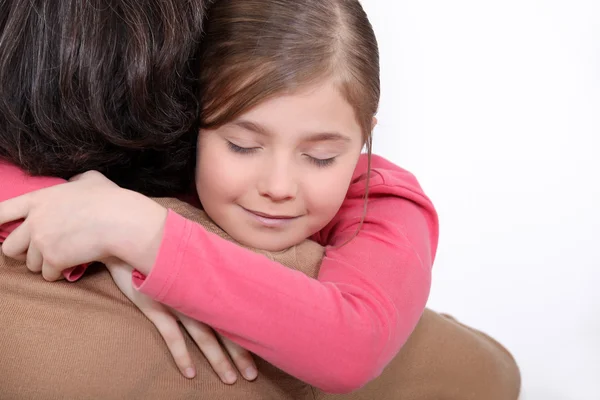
257 49
105 84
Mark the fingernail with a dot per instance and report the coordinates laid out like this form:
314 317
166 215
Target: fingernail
190 373
250 373
230 377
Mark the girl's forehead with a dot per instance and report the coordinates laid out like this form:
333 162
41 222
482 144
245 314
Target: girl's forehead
312 110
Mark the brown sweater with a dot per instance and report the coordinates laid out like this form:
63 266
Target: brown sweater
87 341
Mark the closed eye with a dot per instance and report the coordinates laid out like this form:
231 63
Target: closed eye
321 162
241 150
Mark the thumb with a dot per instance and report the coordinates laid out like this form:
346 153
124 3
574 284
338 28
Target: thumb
86 175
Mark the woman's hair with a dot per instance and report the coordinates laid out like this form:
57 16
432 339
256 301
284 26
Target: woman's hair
256 49
103 84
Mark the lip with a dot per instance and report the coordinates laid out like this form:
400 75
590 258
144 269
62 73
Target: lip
271 220
270 216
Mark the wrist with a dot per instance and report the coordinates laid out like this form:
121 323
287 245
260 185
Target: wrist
140 236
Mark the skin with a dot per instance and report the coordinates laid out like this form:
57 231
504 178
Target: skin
292 156
279 173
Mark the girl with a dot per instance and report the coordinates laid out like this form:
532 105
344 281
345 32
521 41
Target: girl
289 93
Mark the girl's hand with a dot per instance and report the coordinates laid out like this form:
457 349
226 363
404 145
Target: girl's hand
165 321
85 220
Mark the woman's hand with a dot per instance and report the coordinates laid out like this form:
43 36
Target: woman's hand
165 321
87 219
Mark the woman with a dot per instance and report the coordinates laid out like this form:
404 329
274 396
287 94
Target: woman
76 155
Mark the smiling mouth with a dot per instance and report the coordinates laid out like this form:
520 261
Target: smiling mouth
277 221
271 216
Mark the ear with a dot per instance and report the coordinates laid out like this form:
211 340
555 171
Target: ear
374 123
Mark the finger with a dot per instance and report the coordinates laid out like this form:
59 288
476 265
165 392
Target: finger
208 343
159 315
242 359
91 174
20 257
171 333
76 177
117 268
50 272
15 209
17 242
34 260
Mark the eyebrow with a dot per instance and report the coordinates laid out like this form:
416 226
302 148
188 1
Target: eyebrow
315 137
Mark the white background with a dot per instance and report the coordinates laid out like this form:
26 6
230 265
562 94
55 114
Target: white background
495 106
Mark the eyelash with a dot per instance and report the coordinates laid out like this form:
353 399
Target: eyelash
241 150
321 163
318 162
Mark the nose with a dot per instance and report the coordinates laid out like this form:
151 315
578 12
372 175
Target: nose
278 182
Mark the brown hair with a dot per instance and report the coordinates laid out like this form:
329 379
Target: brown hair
257 49
105 84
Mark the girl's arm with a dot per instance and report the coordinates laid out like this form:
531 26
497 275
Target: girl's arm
15 183
337 332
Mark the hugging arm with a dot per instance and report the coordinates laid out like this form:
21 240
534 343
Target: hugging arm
219 353
336 332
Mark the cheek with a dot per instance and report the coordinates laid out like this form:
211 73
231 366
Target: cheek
327 193
218 177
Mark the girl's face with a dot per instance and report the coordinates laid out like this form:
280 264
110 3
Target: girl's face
280 172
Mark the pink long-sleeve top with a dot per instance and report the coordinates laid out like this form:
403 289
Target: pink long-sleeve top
336 332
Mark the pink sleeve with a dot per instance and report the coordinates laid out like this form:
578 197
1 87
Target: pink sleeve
337 332
15 183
